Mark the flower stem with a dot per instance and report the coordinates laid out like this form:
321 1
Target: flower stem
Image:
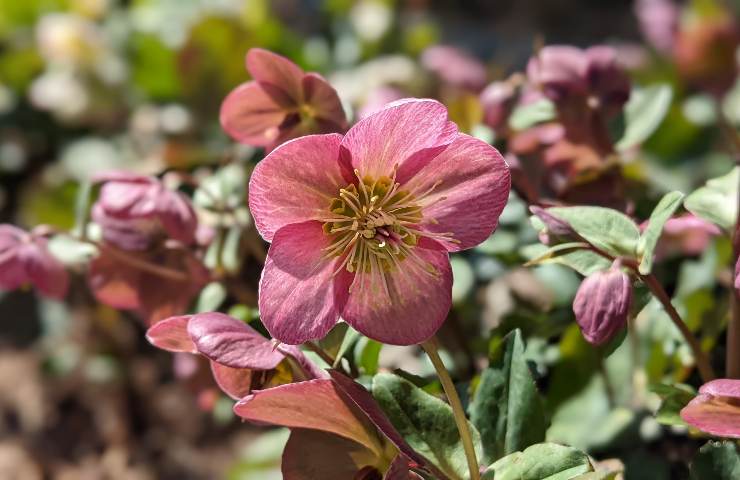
702 360
430 347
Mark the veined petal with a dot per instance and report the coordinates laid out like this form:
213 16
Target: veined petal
324 101
235 382
276 70
405 306
473 190
314 404
232 343
715 410
295 183
249 115
298 299
171 334
410 133
45 272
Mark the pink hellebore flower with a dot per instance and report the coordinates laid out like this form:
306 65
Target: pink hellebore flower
684 235
337 431
602 304
716 410
241 359
134 211
282 102
361 225
24 259
498 100
455 67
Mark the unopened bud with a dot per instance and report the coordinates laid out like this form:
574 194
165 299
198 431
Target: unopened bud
602 304
553 225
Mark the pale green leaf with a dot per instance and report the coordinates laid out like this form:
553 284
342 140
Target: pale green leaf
649 238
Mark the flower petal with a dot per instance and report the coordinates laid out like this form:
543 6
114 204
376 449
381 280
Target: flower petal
113 283
177 216
295 183
722 387
298 300
171 334
331 457
235 382
228 341
414 306
278 71
250 116
474 189
45 272
323 99
410 133
314 404
715 409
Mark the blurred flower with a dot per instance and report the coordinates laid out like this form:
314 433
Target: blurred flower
365 222
68 39
379 98
283 102
716 410
61 92
371 19
25 258
498 100
684 235
241 359
339 423
602 304
455 67
156 283
134 211
354 84
737 274
658 22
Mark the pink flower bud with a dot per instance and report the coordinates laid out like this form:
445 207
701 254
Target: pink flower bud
455 67
602 304
498 101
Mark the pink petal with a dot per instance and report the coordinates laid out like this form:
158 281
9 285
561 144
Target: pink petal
235 382
45 272
114 284
129 199
298 299
715 410
171 334
276 70
323 99
303 361
250 116
399 470
408 133
474 190
330 457
314 404
12 272
177 216
295 182
233 343
413 307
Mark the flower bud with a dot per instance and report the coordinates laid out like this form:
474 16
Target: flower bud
497 101
602 304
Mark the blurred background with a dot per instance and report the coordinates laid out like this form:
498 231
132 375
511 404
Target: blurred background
94 85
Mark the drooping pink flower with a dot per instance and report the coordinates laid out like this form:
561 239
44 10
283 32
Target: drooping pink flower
282 102
455 67
716 410
25 259
602 304
684 235
361 225
241 359
498 100
134 211
340 424
658 22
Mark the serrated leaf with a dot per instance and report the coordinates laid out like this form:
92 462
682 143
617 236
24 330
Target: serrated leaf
507 408
643 113
716 461
531 114
606 229
717 200
426 423
649 238
544 461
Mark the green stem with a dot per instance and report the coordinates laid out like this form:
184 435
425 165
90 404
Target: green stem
430 347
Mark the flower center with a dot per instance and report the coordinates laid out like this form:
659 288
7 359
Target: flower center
376 225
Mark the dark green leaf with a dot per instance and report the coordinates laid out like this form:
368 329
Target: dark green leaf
674 398
716 461
544 461
649 238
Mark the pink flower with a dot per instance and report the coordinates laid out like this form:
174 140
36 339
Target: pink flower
377 99
658 21
282 102
134 211
24 258
602 304
241 359
340 424
455 67
716 410
684 235
361 225
498 101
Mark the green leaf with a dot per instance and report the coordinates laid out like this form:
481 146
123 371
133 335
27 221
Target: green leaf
367 355
716 461
717 200
507 408
544 461
555 251
604 228
649 238
426 422
82 208
643 113
348 341
674 398
531 114
211 297
584 262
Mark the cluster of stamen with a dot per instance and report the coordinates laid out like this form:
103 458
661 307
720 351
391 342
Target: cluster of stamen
375 225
